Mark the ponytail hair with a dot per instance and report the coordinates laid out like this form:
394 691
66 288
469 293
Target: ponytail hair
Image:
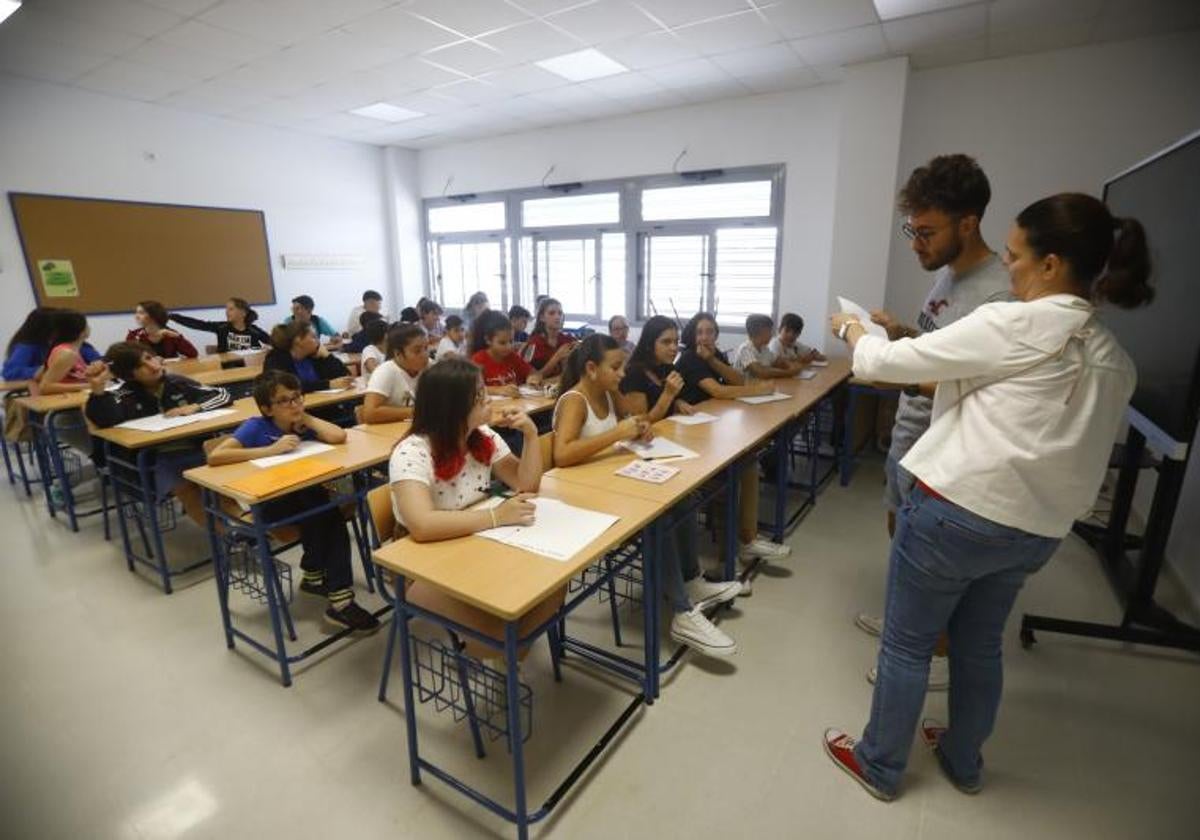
1108 256
240 303
591 349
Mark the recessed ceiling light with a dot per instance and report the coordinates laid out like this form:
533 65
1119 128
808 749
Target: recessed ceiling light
7 7
889 9
387 113
583 65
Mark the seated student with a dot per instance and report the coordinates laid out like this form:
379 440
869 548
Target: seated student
477 304
30 344
408 315
548 346
359 340
651 384
618 328
491 348
372 301
302 311
65 369
519 316
298 351
429 313
236 332
147 389
592 415
375 352
753 359
788 349
392 388
453 343
707 374
151 317
326 559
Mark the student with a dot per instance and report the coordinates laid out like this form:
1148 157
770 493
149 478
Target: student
651 384
372 301
503 368
30 344
548 346
152 317
326 559
375 351
298 351
618 328
519 316
707 374
65 369
236 332
592 415
753 359
430 315
147 389
477 304
786 347
302 311
392 388
408 315
359 340
453 343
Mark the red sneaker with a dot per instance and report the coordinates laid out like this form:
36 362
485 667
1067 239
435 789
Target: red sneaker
840 748
931 733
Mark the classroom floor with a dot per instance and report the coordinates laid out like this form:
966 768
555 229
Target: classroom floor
124 716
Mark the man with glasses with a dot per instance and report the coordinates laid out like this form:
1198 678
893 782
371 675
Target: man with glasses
943 202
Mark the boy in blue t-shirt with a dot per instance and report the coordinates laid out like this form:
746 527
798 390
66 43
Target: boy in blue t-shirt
326 560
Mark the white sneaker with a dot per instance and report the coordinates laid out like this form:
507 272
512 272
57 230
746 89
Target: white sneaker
870 624
694 630
704 594
939 674
744 565
764 549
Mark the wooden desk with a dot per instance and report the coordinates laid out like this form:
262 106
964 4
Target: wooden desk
392 431
227 376
7 385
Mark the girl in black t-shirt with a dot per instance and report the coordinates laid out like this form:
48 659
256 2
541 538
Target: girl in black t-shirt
651 383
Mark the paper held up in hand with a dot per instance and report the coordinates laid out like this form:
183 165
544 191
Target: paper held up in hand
849 307
559 531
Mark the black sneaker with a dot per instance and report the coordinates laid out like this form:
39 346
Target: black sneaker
353 617
315 587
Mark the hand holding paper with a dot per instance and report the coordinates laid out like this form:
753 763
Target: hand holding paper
849 307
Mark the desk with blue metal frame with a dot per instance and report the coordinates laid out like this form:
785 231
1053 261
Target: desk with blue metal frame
855 389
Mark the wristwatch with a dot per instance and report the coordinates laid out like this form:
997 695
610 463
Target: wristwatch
844 328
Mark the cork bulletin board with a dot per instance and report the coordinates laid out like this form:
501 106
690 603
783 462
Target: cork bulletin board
103 256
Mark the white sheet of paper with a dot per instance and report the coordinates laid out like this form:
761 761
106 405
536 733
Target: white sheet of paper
159 423
331 390
559 531
765 398
651 471
806 374
530 391
306 448
660 448
849 307
251 351
697 419
819 363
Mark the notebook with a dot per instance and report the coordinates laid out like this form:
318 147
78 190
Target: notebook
274 479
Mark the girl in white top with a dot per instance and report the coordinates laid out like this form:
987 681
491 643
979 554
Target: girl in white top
590 416
375 353
392 388
1030 395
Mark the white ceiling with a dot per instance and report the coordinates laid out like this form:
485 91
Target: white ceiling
468 64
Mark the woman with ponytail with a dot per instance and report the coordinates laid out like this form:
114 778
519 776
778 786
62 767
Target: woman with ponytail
236 332
1030 395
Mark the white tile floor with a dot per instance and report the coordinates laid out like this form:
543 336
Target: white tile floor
125 716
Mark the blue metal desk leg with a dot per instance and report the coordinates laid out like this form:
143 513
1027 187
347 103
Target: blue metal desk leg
848 434
42 458
60 472
12 477
150 501
515 738
400 616
119 507
219 564
267 564
652 549
25 482
733 483
783 455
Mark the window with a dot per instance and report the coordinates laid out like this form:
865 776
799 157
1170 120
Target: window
675 275
743 199
463 218
588 209
612 275
462 268
566 269
744 280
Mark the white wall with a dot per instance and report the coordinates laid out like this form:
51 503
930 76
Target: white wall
799 129
404 208
319 196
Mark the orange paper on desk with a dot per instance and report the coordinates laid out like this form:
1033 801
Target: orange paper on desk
274 479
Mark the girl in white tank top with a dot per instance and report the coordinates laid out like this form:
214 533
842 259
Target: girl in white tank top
592 378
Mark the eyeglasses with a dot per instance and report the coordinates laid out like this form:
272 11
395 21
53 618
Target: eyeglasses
294 399
923 234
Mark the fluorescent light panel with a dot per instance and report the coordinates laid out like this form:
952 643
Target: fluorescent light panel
891 9
7 7
582 66
386 112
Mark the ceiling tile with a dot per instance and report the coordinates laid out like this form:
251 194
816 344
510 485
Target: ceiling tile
269 21
272 77
214 97
471 58
654 100
567 97
532 42
36 24
652 50
339 125
680 12
338 51
526 107
134 81
958 51
797 77
1037 39
801 18
427 102
387 134
183 7
624 85
729 33
471 92
758 60
198 65
1135 18
685 74
1007 15
35 60
400 32
845 47
524 79
936 29
604 20
829 72
547 7
409 75
708 91
470 17
122 15
220 43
